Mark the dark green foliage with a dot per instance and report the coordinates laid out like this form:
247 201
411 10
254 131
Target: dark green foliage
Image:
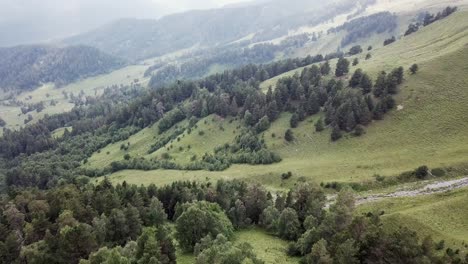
319 126
171 119
389 41
359 130
286 175
336 133
289 225
421 172
294 121
2 122
414 68
380 87
356 79
325 68
125 223
355 50
366 84
431 18
342 67
262 125
368 56
198 220
355 61
26 67
363 27
412 27
221 250
289 135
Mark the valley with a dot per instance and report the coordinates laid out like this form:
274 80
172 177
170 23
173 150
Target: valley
283 137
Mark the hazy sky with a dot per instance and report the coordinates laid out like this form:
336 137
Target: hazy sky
26 21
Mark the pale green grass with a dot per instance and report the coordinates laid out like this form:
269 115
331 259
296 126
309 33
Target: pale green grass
46 93
431 129
58 133
140 144
209 133
442 216
270 249
216 131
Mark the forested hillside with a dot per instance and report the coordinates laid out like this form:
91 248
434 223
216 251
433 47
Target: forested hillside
139 39
27 67
355 156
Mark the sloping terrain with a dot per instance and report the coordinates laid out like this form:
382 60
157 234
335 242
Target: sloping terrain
429 129
442 216
27 67
140 39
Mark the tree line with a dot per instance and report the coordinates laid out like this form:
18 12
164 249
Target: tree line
103 223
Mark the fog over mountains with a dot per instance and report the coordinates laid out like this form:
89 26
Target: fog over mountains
31 21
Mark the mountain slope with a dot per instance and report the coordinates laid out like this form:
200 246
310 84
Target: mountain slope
139 39
26 67
430 129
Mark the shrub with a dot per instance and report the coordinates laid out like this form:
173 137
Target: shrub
359 130
286 175
421 172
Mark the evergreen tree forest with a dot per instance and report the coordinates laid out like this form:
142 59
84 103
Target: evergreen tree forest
87 223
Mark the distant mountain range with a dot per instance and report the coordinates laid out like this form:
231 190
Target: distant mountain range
137 39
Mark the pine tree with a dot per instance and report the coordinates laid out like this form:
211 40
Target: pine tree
248 118
289 135
336 133
272 111
294 121
380 87
313 105
366 84
269 94
342 67
355 61
325 68
319 126
356 78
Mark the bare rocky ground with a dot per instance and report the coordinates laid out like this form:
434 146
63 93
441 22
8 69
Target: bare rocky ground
435 187
430 188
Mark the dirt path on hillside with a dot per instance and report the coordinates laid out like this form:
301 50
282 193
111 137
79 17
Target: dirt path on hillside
431 188
435 187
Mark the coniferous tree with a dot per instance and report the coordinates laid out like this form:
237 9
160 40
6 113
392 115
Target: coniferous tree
319 126
342 67
289 135
366 84
294 121
380 87
336 133
355 61
313 104
325 68
356 79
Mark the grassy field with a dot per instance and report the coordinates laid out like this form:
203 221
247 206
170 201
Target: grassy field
46 93
208 133
442 216
431 129
269 248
